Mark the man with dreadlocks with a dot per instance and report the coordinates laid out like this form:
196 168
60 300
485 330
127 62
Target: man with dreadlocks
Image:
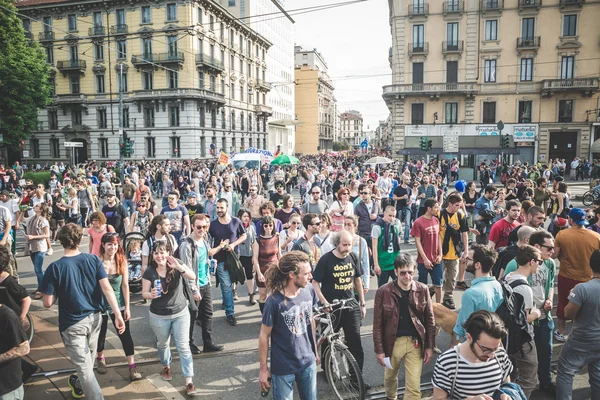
287 321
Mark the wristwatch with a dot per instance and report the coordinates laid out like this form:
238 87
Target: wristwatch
363 304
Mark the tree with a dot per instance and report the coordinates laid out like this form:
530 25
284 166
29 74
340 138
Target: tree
24 87
338 146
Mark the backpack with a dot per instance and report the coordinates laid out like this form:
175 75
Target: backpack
505 255
190 241
512 313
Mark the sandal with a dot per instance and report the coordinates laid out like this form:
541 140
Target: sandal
38 295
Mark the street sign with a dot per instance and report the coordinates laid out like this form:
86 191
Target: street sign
73 144
25 153
450 144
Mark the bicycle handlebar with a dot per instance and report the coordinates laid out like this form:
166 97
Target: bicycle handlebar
335 305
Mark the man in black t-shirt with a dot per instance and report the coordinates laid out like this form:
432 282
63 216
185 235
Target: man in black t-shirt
401 196
192 205
116 214
13 346
338 276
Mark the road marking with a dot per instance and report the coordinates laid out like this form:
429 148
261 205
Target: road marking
164 387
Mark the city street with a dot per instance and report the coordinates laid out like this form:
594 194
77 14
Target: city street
232 374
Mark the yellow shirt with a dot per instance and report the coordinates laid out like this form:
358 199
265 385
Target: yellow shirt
457 221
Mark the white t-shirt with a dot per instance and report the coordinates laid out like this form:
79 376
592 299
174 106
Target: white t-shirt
523 290
12 206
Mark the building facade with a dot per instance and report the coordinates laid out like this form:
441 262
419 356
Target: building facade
351 128
191 76
258 15
529 64
315 103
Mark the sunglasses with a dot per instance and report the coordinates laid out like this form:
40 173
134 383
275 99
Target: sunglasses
315 192
200 226
365 192
141 206
547 247
316 223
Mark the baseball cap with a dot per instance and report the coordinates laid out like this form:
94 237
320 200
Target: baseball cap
110 193
578 216
192 194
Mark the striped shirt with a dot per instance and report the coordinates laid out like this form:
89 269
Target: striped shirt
472 378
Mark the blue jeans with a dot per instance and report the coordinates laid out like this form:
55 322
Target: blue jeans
178 326
436 272
543 343
226 288
404 214
306 380
572 360
385 276
37 259
128 204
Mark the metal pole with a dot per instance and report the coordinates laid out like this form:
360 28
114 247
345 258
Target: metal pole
121 130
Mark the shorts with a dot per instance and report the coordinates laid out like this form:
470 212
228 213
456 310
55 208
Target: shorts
436 273
565 285
247 264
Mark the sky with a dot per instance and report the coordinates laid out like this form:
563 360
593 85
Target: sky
354 40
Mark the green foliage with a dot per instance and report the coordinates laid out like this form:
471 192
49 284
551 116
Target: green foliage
339 146
38 177
24 75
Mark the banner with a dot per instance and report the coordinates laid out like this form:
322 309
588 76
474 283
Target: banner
259 151
223 159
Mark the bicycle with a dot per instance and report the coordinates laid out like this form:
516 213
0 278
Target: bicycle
342 370
591 197
29 328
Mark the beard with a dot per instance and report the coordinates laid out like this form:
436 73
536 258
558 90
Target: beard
470 268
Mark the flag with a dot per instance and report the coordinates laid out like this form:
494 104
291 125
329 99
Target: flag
223 159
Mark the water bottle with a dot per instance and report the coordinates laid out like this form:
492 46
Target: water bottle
158 287
265 393
213 266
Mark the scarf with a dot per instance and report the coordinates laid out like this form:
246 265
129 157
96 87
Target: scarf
389 234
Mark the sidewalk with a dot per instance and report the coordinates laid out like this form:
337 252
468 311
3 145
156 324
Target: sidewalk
48 352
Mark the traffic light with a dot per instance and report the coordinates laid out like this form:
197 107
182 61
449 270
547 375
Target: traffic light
129 148
423 143
429 145
122 149
505 141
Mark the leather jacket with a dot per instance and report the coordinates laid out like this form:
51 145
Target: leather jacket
387 314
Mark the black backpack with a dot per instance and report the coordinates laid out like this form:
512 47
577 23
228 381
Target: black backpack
190 241
505 255
512 313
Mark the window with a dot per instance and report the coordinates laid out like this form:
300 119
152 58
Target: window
249 48
125 117
72 22
489 112
452 35
451 71
52 119
147 80
172 79
213 83
418 37
231 39
213 118
451 114
99 51
565 111
528 28
566 67
223 125
175 146
241 66
231 3
242 121
212 23
121 49
171 12
172 46
201 79
222 32
232 124
241 93
120 17
102 120
54 148
147 48
526 69
241 44
47 21
122 78
76 118
249 70
103 146
199 15
525 112
417 113
100 87
50 55
174 116
150 147
491 29
73 53
27 25
570 25
149 117
489 71
34 144
250 122
75 86
97 19
146 15
417 68
202 117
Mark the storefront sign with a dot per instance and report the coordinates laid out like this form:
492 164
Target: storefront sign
487 130
524 133
417 131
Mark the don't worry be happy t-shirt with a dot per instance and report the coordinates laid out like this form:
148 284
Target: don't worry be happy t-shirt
336 276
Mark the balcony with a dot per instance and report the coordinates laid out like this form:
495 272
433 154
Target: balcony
416 49
529 4
97 30
142 60
492 5
454 7
264 85
454 47
46 36
262 109
585 85
418 10
533 42
147 60
191 94
566 3
433 90
66 66
210 63
75 99
121 29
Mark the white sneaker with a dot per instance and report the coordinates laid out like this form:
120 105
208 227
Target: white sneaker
559 337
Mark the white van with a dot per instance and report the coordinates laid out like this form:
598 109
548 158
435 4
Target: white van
247 160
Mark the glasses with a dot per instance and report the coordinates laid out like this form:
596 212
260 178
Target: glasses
549 248
267 224
200 226
365 192
540 262
404 273
315 192
172 198
485 350
316 223
110 235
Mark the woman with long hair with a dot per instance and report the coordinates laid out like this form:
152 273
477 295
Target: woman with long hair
324 234
286 210
115 264
73 207
38 241
98 229
265 250
288 237
169 315
340 209
560 204
245 251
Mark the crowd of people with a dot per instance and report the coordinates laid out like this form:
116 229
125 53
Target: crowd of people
313 233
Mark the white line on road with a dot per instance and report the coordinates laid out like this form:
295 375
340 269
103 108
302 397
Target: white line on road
165 387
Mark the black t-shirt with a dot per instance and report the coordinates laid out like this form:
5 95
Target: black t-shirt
405 324
277 199
11 294
12 334
115 217
399 192
337 275
193 210
173 301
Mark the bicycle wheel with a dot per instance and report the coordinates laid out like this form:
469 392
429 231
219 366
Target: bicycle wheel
29 328
343 374
588 198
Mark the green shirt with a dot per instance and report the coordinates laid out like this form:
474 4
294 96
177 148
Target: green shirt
115 281
386 257
548 283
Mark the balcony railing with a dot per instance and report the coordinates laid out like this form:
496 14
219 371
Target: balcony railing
141 60
97 30
70 99
71 65
456 46
418 89
157 58
203 60
492 5
454 6
194 94
530 3
119 29
418 9
564 3
587 85
45 36
263 84
418 48
529 42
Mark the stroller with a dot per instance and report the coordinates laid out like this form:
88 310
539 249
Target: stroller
132 245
